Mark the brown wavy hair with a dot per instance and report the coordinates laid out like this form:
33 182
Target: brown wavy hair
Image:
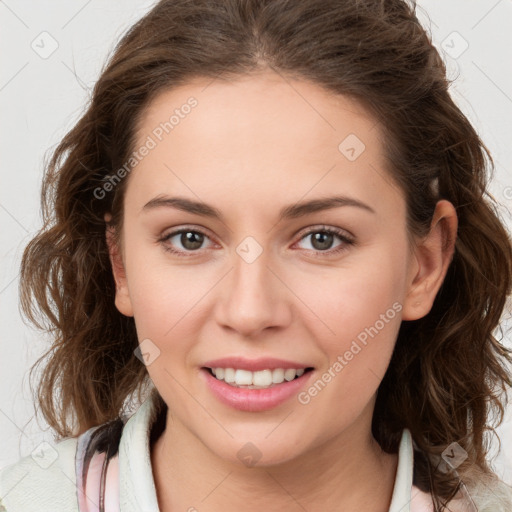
449 371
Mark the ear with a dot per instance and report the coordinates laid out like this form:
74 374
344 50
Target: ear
433 255
122 301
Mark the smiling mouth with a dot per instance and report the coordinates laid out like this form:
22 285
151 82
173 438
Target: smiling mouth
262 379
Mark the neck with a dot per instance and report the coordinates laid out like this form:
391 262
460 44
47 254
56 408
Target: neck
349 472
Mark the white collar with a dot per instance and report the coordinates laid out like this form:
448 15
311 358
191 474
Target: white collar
137 486
401 499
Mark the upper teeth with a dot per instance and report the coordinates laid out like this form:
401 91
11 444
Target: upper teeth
259 379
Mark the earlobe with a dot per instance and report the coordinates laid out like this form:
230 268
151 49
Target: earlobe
122 300
432 256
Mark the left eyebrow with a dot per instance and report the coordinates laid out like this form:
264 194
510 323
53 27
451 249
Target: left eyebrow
293 211
315 205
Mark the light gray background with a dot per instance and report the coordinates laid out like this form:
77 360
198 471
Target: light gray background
42 95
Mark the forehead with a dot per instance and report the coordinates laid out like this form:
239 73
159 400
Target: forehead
259 133
257 108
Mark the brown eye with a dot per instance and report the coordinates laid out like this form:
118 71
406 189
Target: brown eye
191 240
183 241
322 240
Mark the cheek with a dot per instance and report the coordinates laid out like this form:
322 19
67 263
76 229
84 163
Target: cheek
357 352
348 300
356 323
161 292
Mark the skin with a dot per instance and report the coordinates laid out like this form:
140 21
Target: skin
250 147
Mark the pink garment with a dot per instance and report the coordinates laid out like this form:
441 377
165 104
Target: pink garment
420 501
89 502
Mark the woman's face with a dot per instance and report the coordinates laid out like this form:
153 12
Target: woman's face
268 266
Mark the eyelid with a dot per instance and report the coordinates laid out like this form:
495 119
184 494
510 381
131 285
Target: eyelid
185 227
343 233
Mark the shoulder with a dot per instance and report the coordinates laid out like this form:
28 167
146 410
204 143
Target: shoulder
57 478
488 495
42 481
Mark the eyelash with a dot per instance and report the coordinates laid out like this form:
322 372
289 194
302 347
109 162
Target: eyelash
347 241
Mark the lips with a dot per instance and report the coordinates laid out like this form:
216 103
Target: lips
255 398
254 365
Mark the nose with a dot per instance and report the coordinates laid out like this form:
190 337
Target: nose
253 297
